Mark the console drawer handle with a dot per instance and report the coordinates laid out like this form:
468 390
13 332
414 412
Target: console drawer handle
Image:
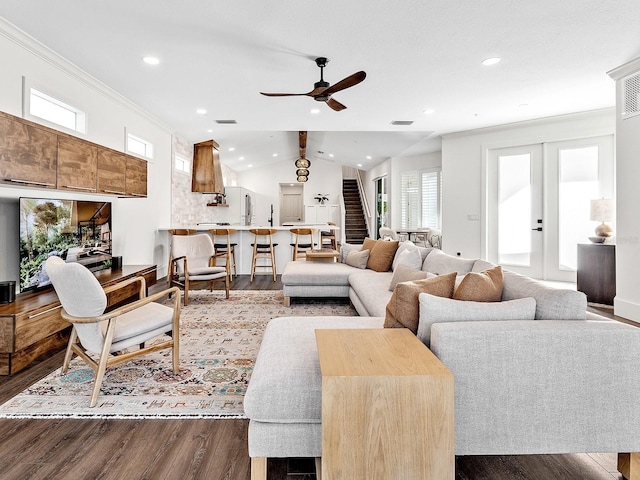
46 311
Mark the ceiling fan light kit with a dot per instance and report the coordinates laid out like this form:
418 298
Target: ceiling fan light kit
323 90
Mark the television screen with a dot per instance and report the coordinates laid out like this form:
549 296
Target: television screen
75 230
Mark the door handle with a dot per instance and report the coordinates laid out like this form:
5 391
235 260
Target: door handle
539 229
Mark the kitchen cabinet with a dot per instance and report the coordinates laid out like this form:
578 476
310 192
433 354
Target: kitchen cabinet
77 165
28 154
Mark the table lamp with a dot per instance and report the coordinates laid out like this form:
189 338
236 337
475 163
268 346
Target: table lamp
602 210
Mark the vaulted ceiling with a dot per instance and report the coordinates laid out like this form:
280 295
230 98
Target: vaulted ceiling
418 55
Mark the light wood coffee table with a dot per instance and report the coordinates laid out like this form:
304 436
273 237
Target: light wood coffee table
324 255
387 407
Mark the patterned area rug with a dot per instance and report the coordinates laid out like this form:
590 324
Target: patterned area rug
219 341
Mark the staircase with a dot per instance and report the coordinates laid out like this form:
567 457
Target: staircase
355 228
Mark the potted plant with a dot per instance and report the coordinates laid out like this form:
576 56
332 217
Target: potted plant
321 198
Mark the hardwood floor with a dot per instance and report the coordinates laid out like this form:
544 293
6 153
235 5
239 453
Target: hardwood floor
202 449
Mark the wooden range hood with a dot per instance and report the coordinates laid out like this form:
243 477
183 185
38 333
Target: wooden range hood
207 172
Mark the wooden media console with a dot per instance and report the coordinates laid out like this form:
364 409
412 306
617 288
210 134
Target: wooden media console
31 328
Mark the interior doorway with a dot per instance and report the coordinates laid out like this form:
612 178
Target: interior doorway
382 204
291 203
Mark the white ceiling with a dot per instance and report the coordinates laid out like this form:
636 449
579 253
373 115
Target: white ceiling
417 54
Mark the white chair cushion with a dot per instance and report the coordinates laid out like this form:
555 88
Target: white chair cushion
139 325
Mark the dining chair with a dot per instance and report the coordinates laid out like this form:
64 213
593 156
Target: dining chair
302 245
116 336
224 248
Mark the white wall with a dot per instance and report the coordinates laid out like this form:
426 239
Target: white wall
135 221
627 300
324 178
464 164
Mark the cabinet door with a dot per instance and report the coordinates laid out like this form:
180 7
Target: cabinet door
136 177
27 154
77 165
112 167
310 214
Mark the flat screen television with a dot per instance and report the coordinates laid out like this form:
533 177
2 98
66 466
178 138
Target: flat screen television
75 230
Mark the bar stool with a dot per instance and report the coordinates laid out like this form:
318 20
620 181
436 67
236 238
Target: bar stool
180 232
302 246
329 235
263 247
224 248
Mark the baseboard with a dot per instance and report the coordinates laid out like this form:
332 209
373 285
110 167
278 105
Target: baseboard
625 309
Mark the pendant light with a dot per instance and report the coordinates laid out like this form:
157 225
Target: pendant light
303 163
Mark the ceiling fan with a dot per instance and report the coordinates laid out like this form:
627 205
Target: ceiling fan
322 90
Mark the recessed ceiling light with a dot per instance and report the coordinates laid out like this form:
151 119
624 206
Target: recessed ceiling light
368 157
428 111
249 165
314 111
359 165
209 131
241 158
331 155
151 60
231 149
491 61
274 155
201 111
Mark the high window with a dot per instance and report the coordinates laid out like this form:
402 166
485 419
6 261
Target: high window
182 164
139 146
420 196
56 111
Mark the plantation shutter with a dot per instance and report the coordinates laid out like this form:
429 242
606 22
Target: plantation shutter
430 199
410 198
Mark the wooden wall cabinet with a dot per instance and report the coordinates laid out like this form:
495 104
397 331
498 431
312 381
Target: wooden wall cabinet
77 165
28 154
112 167
136 177
207 171
36 156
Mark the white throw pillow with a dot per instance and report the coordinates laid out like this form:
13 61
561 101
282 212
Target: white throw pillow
400 254
409 258
345 248
438 310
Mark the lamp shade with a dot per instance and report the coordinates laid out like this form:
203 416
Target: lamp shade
303 163
603 210
302 178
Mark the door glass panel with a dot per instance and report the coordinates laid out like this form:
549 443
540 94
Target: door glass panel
578 185
514 210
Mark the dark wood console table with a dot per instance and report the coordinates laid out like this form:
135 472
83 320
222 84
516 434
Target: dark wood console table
31 328
597 272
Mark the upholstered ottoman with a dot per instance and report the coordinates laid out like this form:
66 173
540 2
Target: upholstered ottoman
315 279
283 399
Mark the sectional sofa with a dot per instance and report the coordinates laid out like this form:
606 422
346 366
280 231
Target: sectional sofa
535 373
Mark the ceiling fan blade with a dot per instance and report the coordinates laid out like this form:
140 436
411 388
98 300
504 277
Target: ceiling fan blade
285 94
336 105
350 81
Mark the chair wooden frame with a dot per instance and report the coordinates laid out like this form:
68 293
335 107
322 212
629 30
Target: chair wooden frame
228 252
329 235
107 359
174 277
302 247
263 250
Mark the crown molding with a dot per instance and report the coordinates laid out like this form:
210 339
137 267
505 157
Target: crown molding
626 69
44 53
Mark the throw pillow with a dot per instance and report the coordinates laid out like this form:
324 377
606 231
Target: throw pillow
345 248
358 259
483 286
382 254
407 254
439 262
368 243
437 310
403 308
402 273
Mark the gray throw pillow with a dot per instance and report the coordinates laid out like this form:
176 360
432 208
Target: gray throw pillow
345 248
358 259
438 310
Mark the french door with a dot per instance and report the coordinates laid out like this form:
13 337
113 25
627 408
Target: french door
538 199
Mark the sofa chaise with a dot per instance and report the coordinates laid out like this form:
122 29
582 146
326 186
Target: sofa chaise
563 381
